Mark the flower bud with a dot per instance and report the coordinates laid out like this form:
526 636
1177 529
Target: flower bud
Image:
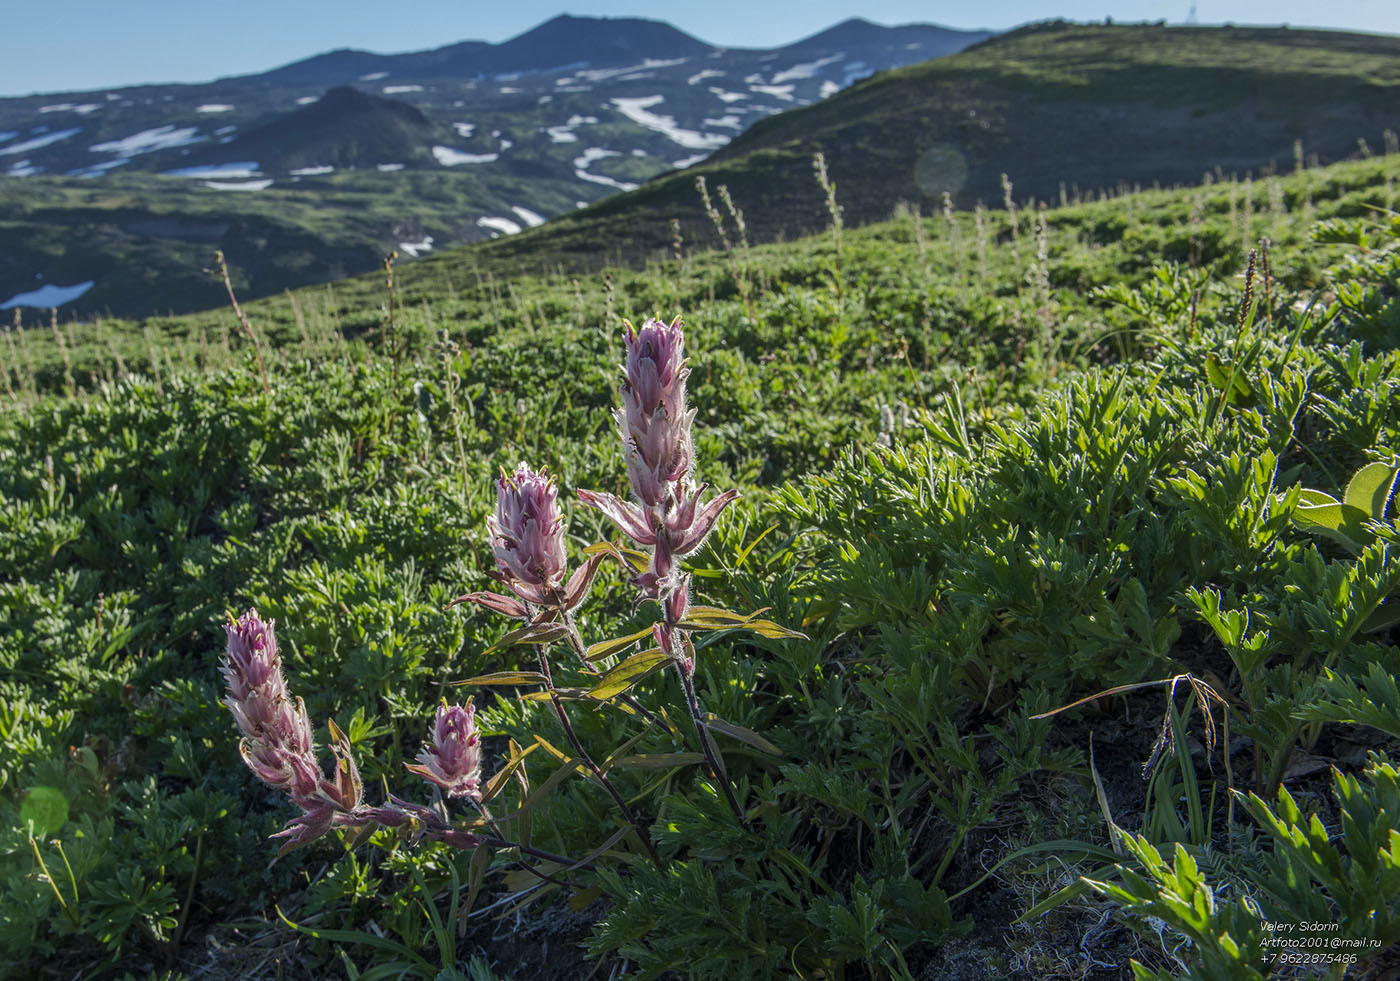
452 759
527 534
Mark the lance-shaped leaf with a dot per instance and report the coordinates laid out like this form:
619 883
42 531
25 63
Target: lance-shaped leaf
535 633
505 678
603 648
623 750
712 618
506 605
1371 487
659 761
628 673
499 778
629 558
748 736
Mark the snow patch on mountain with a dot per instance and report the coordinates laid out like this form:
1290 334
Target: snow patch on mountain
581 164
637 111
603 74
852 71
81 110
261 185
688 161
530 218
374 76
311 171
23 168
727 97
9 134
783 92
214 107
401 89
829 88
415 248
306 100
449 157
464 130
727 121
37 142
504 225
388 168
700 76
48 295
242 168
148 141
807 69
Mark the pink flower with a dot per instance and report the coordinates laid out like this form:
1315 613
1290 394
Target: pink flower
655 426
527 534
277 740
653 421
452 759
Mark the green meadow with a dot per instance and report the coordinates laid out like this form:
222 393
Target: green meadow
1084 513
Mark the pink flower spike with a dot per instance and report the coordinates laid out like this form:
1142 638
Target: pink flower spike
627 517
527 533
452 760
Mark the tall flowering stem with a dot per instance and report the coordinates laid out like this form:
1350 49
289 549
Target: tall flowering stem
527 539
668 515
278 747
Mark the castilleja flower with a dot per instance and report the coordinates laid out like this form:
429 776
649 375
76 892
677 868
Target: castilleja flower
527 538
452 759
277 739
655 427
527 534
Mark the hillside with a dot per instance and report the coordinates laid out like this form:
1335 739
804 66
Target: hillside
1064 110
582 106
1124 459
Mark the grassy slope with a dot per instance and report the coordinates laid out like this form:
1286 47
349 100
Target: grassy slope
350 502
1159 105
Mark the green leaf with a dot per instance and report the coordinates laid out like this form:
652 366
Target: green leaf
628 673
1222 374
740 733
659 761
1371 487
535 633
45 808
1343 523
603 648
505 678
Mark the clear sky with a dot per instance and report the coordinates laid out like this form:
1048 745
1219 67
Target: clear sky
56 45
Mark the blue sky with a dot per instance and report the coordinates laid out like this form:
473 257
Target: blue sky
53 45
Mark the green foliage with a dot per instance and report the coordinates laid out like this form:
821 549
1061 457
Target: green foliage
970 524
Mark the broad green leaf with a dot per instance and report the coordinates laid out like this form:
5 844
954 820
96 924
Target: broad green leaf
1341 522
1371 487
1312 498
628 673
1222 374
45 808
